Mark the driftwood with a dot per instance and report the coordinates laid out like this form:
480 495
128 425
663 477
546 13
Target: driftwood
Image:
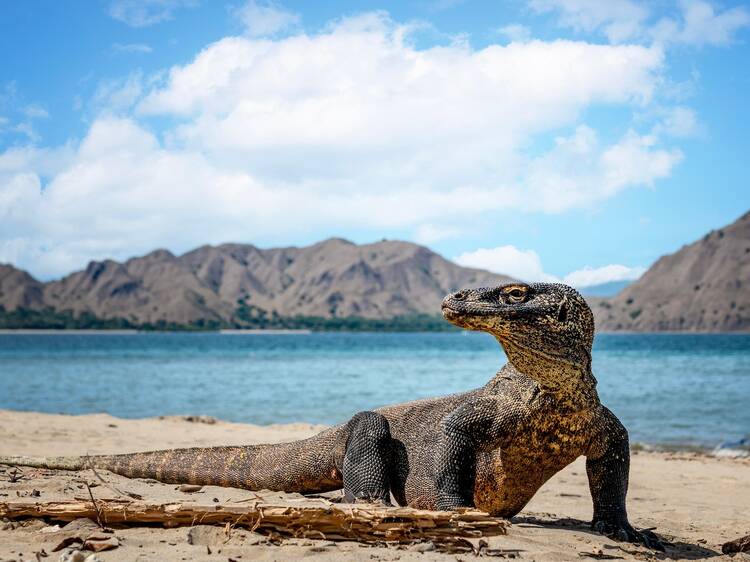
309 518
738 545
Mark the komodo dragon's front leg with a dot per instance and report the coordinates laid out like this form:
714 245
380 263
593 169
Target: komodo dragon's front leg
477 425
608 466
368 458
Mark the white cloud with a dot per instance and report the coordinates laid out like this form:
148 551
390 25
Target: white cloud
119 94
507 260
701 24
351 128
526 265
697 22
620 20
34 111
579 170
263 19
590 276
132 48
142 13
515 32
678 121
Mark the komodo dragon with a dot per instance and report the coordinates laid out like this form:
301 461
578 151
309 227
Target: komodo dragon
491 448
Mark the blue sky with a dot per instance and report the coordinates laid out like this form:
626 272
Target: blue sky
548 139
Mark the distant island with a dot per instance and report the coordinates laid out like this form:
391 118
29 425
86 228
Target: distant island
338 285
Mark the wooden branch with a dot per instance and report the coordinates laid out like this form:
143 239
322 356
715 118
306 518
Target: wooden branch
313 519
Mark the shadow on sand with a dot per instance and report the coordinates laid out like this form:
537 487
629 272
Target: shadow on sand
674 550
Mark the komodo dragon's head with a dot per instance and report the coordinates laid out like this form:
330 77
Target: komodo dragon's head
546 329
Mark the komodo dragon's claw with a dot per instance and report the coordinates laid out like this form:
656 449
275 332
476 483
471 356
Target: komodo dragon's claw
625 532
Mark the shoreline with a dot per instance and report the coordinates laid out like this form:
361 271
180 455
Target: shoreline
695 501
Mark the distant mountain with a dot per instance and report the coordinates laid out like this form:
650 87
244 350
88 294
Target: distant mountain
238 284
609 289
704 287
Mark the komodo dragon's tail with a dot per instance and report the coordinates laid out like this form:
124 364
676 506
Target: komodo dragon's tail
307 466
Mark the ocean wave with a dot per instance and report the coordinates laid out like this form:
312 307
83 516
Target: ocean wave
734 449
739 448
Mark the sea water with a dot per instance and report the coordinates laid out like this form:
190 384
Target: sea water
669 390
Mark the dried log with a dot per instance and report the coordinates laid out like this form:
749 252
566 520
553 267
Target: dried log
313 519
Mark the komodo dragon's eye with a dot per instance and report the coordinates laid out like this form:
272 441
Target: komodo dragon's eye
515 294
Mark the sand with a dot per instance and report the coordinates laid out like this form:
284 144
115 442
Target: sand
697 502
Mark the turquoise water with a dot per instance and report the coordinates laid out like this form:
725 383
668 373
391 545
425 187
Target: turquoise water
667 389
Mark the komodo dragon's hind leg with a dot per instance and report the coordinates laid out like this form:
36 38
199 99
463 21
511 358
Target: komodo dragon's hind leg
367 461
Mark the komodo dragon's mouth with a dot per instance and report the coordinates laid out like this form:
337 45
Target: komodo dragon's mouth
449 313
454 316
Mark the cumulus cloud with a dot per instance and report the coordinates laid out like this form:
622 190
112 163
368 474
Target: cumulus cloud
142 13
507 260
590 276
579 170
353 127
263 19
696 22
526 265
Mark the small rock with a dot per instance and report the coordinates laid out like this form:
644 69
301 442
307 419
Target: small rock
72 556
100 543
189 488
423 547
206 535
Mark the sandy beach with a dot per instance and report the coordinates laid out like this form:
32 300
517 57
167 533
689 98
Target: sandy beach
696 502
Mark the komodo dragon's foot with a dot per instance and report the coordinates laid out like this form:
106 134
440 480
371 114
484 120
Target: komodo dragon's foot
624 531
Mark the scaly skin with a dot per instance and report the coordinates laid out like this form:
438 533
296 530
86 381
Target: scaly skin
491 448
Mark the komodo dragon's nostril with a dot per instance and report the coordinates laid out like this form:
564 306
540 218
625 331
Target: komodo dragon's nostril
459 296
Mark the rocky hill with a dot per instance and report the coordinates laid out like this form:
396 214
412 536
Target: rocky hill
233 283
703 287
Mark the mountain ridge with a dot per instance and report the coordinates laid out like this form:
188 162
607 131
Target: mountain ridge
334 278
702 287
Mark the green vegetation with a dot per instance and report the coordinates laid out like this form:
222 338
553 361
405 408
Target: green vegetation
246 317
49 318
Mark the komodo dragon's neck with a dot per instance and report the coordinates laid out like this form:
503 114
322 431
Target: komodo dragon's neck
570 383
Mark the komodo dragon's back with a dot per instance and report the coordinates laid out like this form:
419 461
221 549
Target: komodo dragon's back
492 447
